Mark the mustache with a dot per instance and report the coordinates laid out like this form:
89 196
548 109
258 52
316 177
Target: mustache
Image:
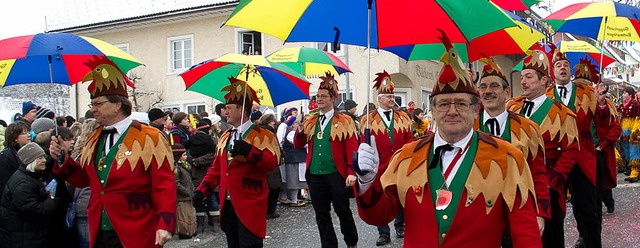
489 94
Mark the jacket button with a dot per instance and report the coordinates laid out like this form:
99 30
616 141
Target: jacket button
226 174
444 235
102 192
445 217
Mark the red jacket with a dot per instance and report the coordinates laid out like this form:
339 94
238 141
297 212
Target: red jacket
606 140
483 213
344 141
525 135
140 193
585 108
560 135
245 178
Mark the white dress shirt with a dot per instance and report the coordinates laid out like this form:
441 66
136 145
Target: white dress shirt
384 117
327 119
242 129
502 119
120 127
448 156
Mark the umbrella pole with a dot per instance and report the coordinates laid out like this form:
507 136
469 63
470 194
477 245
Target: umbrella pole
61 157
367 131
602 48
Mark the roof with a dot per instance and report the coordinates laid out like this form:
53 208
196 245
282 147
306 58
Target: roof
78 24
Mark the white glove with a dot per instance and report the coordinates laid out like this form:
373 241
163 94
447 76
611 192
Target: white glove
368 161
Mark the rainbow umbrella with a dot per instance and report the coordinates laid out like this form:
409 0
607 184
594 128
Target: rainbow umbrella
515 4
392 22
598 20
309 61
273 82
511 40
574 50
55 58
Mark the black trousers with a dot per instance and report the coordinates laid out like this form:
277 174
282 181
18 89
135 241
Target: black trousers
553 234
237 234
397 223
587 207
607 198
327 189
107 239
607 194
272 200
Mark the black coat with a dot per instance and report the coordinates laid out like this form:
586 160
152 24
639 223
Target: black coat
9 163
25 208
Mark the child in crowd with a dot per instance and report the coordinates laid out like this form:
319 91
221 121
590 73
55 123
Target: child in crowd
185 213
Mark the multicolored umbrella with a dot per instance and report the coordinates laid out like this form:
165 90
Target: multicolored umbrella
274 83
599 20
515 4
393 22
55 58
577 49
309 61
512 40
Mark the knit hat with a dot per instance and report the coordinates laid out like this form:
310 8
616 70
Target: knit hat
383 83
349 104
538 60
177 150
106 78
27 106
290 120
42 124
214 119
586 71
30 152
491 68
156 113
45 112
453 77
329 83
289 110
16 117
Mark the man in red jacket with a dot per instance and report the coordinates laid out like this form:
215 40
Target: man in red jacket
245 154
392 130
457 187
331 139
586 103
128 166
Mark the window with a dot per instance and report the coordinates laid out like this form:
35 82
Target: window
124 47
250 42
195 108
181 53
402 96
172 108
426 97
328 47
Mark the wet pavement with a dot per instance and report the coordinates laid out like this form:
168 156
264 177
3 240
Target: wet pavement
296 226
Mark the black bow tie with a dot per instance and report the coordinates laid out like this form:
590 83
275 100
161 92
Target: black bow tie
527 108
440 150
494 126
563 91
109 132
322 118
388 114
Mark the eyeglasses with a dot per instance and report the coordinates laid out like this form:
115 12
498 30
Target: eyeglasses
460 106
322 96
492 86
97 104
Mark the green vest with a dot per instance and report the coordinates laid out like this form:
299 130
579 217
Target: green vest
390 127
436 180
322 158
541 113
102 165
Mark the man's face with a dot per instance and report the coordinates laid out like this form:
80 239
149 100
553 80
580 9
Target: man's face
458 118
532 86
234 114
104 111
324 100
30 116
386 101
492 93
224 114
352 111
562 71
